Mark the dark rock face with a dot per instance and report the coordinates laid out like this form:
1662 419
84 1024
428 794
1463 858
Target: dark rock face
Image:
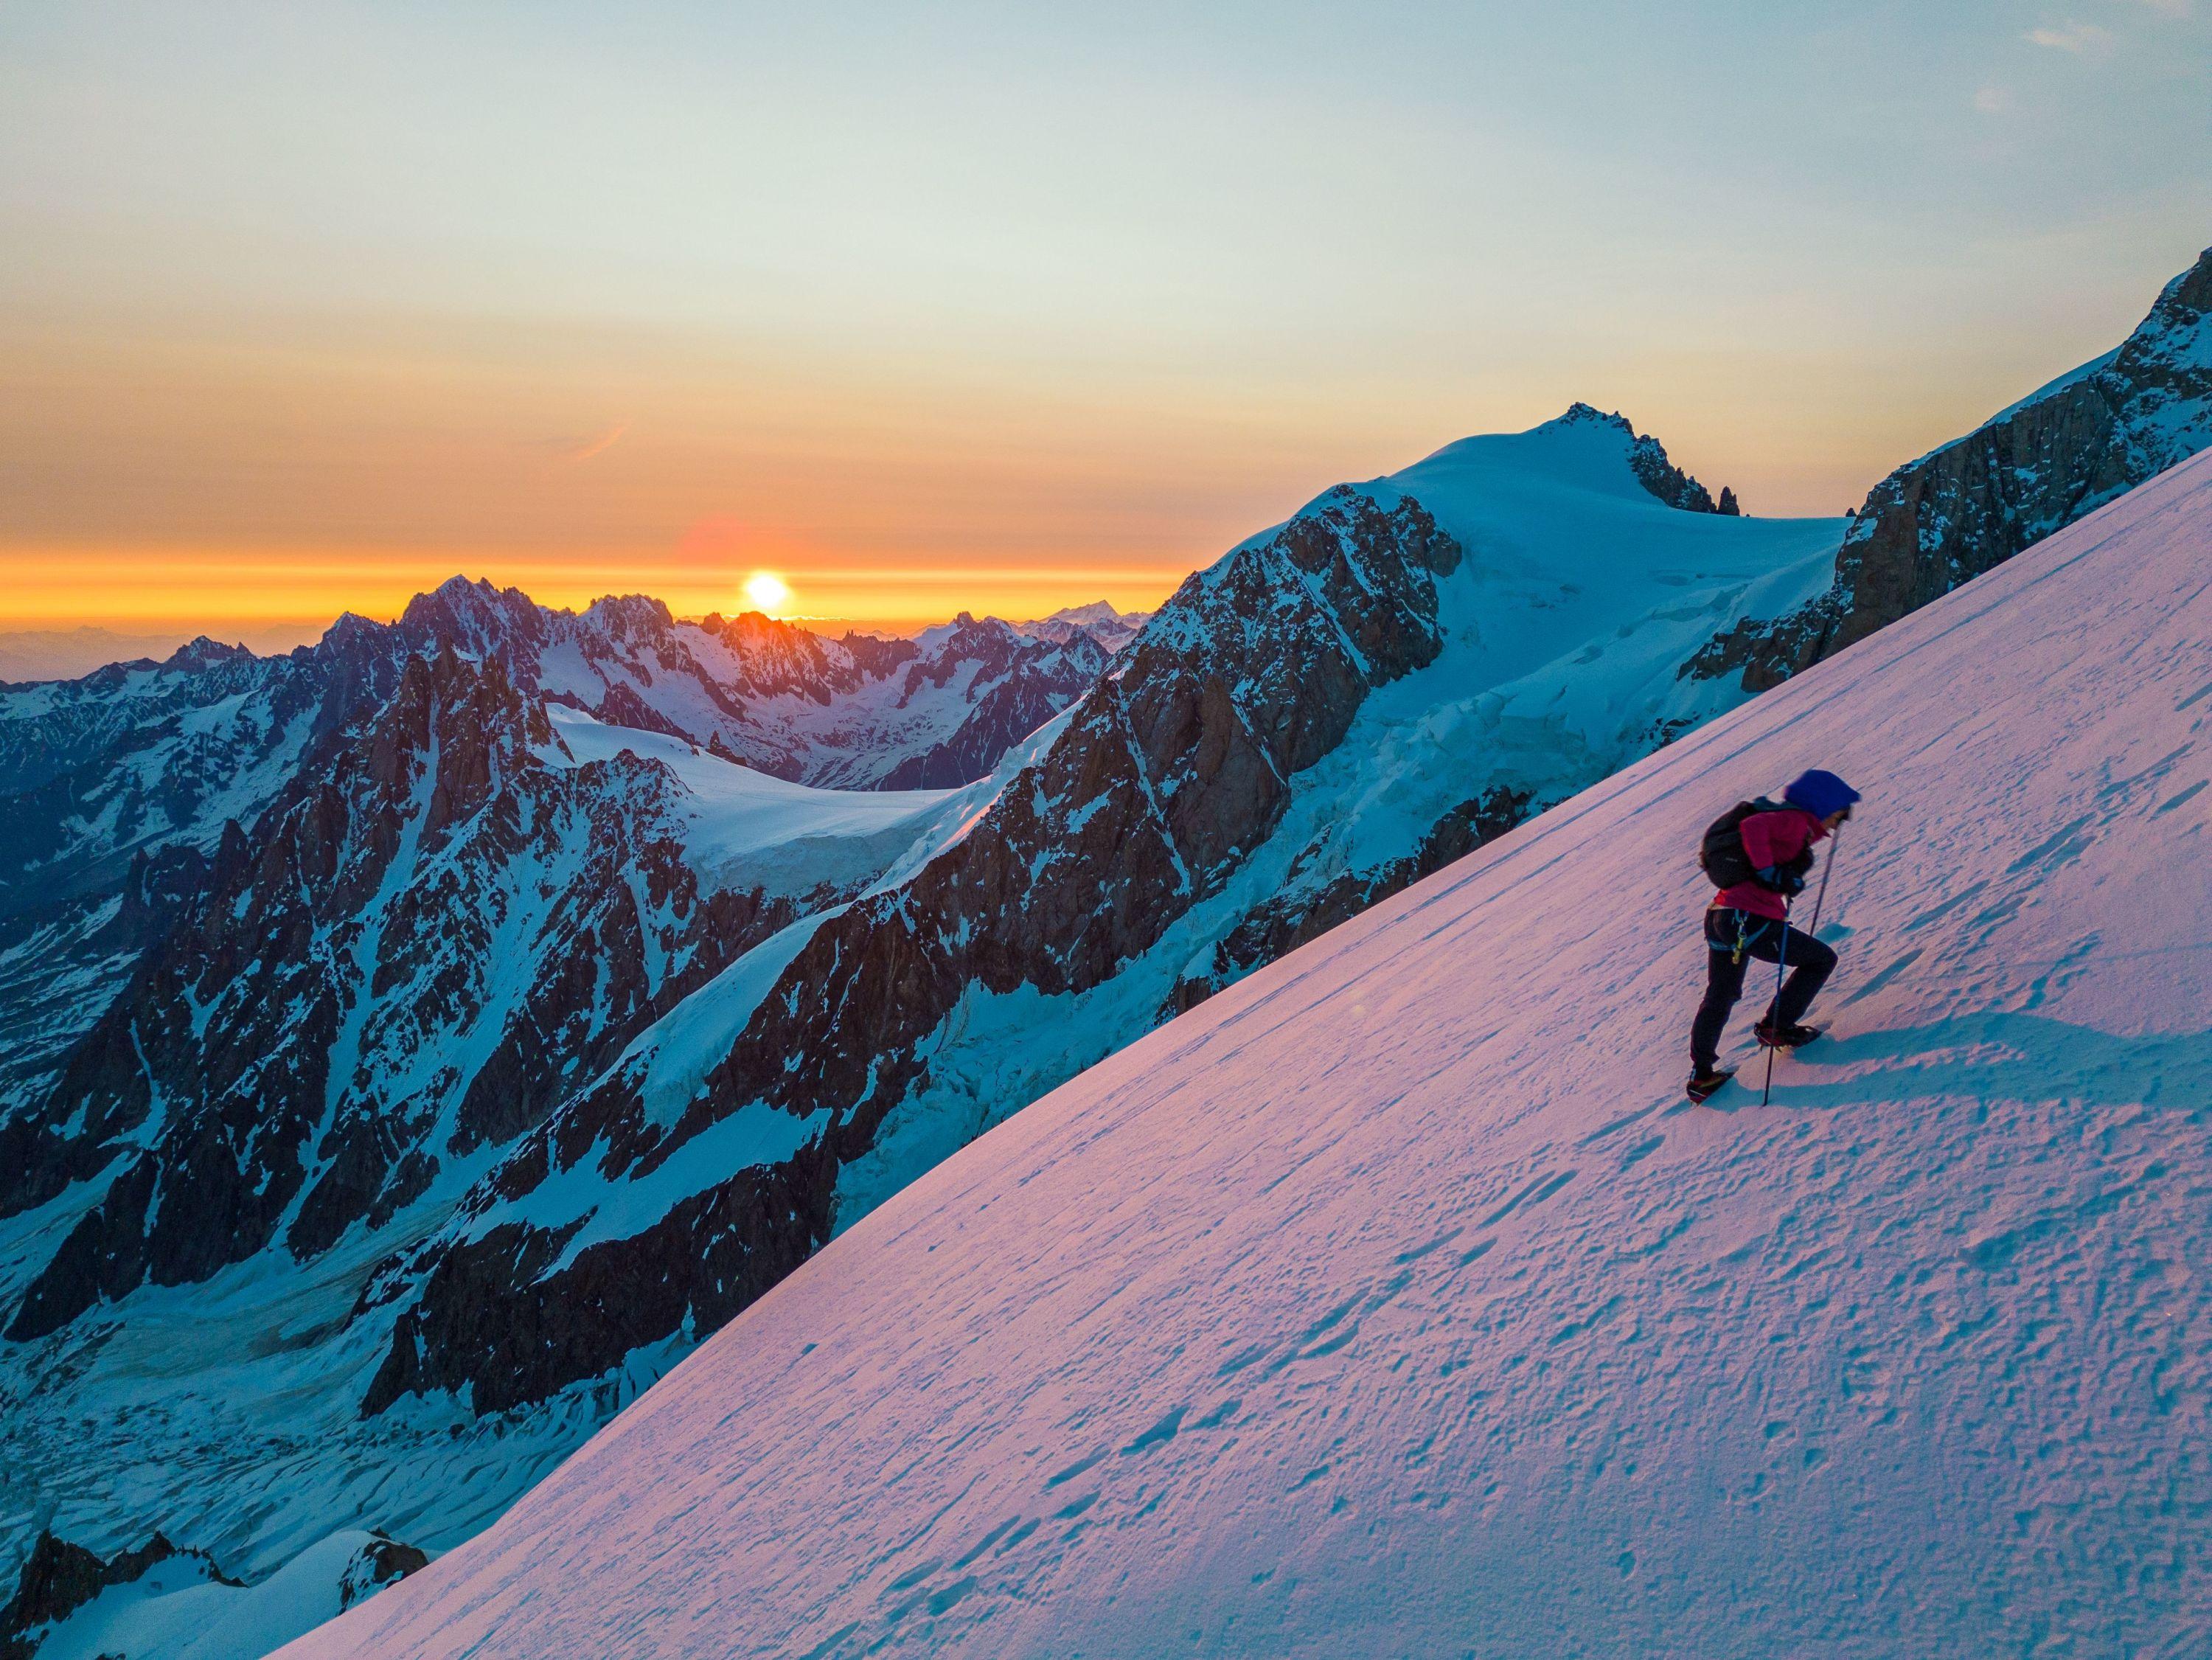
379 1562
1970 506
279 1066
495 1322
1169 774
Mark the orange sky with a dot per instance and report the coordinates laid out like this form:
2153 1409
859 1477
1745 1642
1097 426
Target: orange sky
155 589
174 469
305 309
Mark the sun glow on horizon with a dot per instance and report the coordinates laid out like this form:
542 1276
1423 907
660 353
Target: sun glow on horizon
767 593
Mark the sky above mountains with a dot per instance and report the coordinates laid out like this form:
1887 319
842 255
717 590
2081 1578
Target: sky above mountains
307 307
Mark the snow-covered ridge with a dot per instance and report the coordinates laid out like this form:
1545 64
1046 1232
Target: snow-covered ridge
1393 1301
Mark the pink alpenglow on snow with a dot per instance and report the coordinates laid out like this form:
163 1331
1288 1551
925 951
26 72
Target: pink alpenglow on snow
1392 1302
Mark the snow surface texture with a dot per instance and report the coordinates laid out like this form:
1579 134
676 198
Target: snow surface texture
1392 1302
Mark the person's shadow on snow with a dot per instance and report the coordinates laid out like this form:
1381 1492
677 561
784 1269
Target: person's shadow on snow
2008 1056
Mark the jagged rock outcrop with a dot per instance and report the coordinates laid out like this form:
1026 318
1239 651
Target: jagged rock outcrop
1027 686
183 1606
378 1564
2035 468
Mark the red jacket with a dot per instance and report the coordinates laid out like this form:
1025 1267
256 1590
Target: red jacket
1771 838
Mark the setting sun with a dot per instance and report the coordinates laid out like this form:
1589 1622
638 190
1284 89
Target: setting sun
767 591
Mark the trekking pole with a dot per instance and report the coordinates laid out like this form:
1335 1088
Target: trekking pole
1774 1013
1820 898
1835 841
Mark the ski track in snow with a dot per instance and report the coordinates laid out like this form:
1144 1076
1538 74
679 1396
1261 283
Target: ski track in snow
1394 1302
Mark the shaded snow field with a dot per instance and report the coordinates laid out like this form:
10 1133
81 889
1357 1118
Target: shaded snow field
750 828
1394 1302
176 1608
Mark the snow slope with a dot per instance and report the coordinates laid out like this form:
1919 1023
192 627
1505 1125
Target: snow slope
1392 1302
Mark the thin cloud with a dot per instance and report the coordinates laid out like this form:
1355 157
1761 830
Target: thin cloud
2080 39
2167 7
1993 100
570 450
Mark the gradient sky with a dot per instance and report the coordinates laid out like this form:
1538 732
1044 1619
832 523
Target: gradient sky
305 307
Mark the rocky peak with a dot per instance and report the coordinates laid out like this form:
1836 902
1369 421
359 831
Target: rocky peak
473 616
637 618
1962 509
202 653
1647 459
350 633
1579 414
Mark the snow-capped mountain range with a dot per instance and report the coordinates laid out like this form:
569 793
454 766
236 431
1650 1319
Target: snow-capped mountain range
424 1040
116 789
1395 1302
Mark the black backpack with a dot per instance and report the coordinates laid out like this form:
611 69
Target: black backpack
1721 856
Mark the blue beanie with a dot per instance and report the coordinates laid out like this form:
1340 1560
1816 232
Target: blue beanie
1820 793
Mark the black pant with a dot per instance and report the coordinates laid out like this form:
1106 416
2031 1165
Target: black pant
1810 963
